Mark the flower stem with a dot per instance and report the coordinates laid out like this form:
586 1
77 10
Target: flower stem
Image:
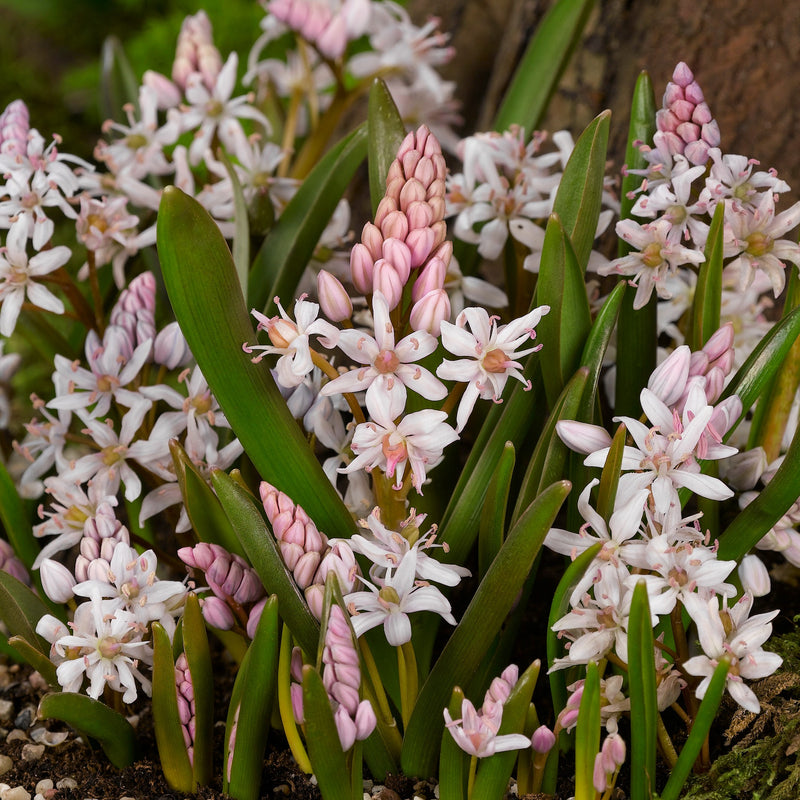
667 748
285 702
473 768
409 681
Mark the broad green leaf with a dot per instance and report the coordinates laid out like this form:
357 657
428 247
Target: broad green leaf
263 553
642 690
16 521
493 518
324 748
205 512
253 708
708 293
508 421
565 328
288 248
558 608
761 366
773 501
542 65
453 761
481 622
40 662
577 202
587 734
386 134
21 610
198 656
241 234
204 291
550 454
166 720
705 717
96 720
495 771
636 358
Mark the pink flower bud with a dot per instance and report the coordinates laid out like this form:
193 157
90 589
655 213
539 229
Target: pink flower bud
582 437
250 589
217 613
682 75
668 380
420 242
543 739
57 580
599 776
254 617
697 152
345 727
701 114
386 207
315 595
408 144
333 298
431 278
694 94
418 215
711 135
170 348
688 131
425 171
365 720
296 693
682 109
333 41
98 571
430 311
720 342
412 191
82 568
395 225
305 568
362 268
409 162
346 695
168 95
291 553
754 576
386 280
672 94
398 254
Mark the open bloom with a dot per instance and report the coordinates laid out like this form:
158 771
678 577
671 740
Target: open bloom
489 354
476 733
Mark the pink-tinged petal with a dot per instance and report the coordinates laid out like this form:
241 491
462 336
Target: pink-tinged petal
458 341
656 410
704 485
44 298
582 437
664 493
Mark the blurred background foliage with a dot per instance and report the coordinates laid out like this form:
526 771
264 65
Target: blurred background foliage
50 52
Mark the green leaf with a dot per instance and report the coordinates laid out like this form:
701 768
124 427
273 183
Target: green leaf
542 65
118 82
241 234
453 761
494 772
279 264
705 717
547 462
637 330
577 202
263 553
204 291
16 521
251 708
386 134
205 512
36 659
481 622
322 738
566 326
642 688
587 734
558 608
493 518
198 656
609 477
96 720
166 720
21 610
708 293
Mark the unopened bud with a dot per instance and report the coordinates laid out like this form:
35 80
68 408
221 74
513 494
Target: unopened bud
754 576
57 581
543 739
170 348
333 298
217 613
430 311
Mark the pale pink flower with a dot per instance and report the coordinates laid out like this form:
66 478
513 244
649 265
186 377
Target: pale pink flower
477 733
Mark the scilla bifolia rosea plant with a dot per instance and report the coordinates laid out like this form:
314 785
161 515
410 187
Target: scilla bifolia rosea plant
291 447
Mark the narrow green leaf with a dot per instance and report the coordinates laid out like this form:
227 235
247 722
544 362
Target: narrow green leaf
16 521
96 720
637 329
263 553
494 772
205 512
166 720
36 659
542 65
609 477
118 82
324 749
706 715
587 734
386 134
566 326
508 421
453 761
493 518
580 191
241 234
259 679
547 462
490 605
642 690
708 292
198 656
21 610
204 291
279 264
558 608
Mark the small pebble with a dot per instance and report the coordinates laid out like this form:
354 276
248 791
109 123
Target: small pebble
17 735
6 710
67 783
32 752
5 764
25 718
44 785
17 793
